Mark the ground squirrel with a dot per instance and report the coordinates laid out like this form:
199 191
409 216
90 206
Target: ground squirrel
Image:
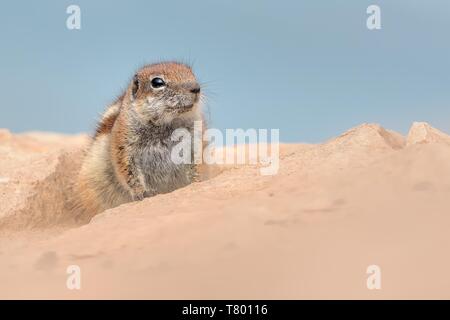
130 155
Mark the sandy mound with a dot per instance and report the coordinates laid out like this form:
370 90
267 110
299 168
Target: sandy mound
367 197
422 132
30 162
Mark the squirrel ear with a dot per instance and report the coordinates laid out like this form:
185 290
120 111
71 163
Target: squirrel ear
135 86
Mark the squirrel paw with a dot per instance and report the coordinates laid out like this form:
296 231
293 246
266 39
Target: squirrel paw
139 196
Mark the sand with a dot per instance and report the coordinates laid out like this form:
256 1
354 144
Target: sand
367 197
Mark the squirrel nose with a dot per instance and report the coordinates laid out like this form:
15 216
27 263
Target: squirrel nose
195 90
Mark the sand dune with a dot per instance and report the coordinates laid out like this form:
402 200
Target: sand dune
367 197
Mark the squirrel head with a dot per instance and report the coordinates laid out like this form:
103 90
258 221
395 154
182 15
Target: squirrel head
165 91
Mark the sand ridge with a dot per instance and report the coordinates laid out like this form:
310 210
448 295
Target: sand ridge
369 196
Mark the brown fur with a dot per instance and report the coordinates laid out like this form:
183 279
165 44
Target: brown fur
110 174
105 126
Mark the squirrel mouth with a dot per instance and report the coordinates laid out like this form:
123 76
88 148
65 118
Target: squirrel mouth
185 108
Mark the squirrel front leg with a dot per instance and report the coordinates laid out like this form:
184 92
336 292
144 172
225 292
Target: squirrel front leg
125 168
136 182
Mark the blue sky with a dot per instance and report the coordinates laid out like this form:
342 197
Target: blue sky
310 68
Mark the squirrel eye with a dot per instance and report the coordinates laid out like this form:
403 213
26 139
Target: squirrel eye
157 83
